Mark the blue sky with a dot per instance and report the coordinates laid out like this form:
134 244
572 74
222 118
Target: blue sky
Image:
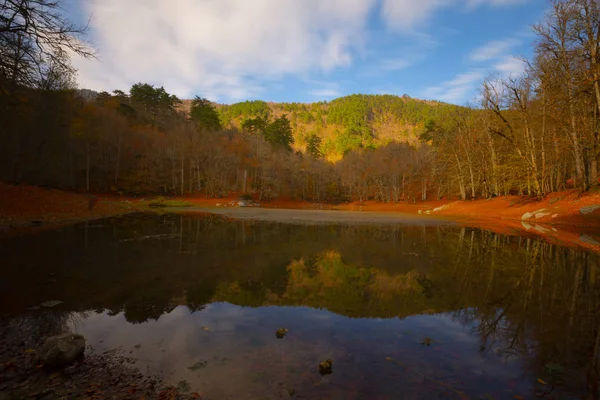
306 50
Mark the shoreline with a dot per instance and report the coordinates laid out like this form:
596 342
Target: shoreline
108 374
582 237
557 218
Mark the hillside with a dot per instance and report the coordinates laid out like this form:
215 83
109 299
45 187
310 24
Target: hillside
344 123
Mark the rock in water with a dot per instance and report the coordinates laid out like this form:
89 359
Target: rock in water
61 350
280 333
325 367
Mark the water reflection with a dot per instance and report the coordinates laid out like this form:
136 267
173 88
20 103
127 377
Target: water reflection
424 312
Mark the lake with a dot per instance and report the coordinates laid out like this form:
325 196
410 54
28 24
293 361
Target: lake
404 311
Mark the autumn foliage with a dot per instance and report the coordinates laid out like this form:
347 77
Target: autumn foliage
531 134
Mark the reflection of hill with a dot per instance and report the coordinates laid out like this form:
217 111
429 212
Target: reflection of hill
511 290
327 282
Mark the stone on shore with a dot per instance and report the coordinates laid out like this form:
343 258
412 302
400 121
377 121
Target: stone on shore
61 350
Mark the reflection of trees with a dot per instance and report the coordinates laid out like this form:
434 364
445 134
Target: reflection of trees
143 310
539 297
199 294
328 282
525 297
519 292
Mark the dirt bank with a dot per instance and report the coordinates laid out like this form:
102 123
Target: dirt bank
557 209
24 207
563 208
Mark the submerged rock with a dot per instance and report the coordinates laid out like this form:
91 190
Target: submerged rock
326 367
61 350
281 333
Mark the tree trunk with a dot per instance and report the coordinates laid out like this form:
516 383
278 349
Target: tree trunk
118 161
463 192
71 173
87 167
182 170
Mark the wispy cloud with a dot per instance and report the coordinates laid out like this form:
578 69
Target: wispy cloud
395 64
493 49
405 15
222 49
326 89
458 89
476 3
229 50
324 92
510 67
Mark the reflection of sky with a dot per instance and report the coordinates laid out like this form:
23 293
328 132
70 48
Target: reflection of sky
237 355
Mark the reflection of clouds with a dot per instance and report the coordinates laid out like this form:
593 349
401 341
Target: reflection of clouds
225 317
244 359
444 325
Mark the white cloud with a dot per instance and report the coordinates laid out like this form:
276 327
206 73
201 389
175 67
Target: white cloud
510 67
327 89
404 15
213 47
458 90
476 3
493 49
229 50
324 92
395 64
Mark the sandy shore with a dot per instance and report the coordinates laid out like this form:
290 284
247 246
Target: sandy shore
584 237
314 217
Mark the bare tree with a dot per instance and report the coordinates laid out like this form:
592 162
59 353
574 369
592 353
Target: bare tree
35 38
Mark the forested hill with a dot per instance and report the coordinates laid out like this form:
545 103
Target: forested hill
345 123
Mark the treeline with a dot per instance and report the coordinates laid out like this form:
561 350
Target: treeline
138 143
531 134
538 132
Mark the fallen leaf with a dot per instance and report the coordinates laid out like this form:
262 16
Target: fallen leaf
29 351
542 382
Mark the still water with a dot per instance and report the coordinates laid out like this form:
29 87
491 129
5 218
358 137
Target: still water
404 312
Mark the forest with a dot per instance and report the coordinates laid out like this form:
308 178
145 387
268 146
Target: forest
531 134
